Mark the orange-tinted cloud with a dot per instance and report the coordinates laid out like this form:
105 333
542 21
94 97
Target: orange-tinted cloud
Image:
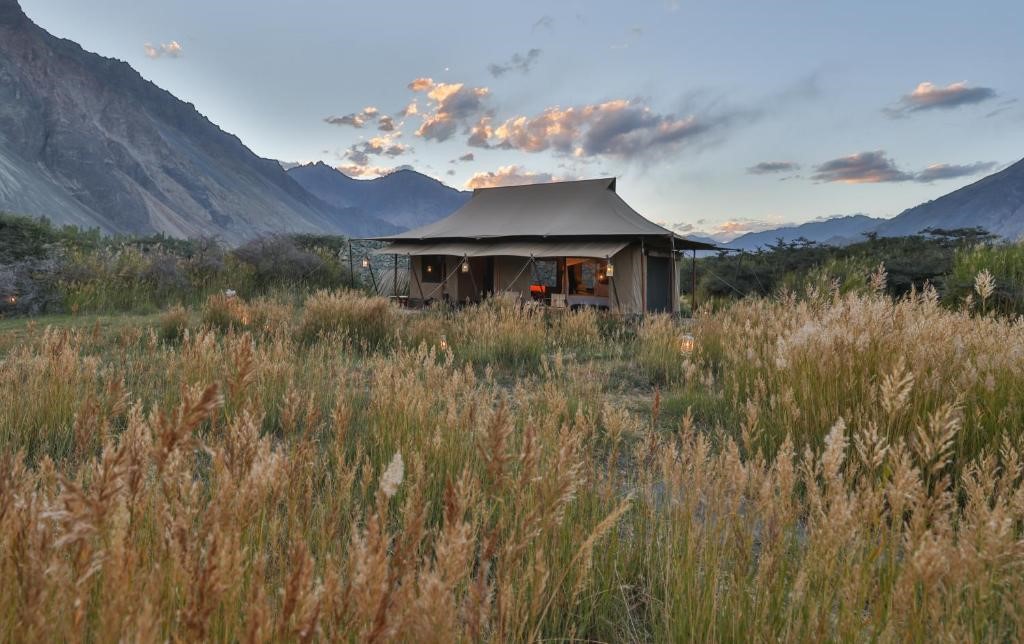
356 119
450 105
618 128
928 96
876 167
863 167
510 175
171 49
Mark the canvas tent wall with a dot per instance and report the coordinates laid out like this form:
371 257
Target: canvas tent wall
575 219
513 274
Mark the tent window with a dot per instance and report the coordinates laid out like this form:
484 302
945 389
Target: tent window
587 276
546 273
432 268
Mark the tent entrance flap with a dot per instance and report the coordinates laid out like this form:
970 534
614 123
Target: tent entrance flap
592 249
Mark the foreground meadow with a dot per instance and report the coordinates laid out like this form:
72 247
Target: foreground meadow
840 467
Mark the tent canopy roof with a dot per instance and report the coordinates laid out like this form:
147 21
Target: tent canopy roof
520 248
575 209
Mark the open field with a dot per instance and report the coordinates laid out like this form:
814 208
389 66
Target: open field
829 466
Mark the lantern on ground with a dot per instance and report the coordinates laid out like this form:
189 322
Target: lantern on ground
686 344
12 299
465 266
443 343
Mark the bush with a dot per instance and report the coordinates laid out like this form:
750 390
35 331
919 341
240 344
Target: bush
224 312
277 259
657 349
173 323
1006 264
369 320
501 333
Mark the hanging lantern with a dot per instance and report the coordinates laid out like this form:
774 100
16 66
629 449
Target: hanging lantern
366 262
12 299
465 266
686 344
609 270
430 269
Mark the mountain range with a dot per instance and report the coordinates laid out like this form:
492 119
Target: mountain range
995 203
404 198
86 140
834 231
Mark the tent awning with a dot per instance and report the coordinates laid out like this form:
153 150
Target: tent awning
592 249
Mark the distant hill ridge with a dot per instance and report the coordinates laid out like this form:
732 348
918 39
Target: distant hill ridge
405 198
835 231
995 203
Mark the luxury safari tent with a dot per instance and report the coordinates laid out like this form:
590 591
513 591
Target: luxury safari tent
569 244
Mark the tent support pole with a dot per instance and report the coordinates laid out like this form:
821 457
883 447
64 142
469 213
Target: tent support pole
643 276
615 291
373 278
674 276
419 287
394 281
693 281
472 279
351 267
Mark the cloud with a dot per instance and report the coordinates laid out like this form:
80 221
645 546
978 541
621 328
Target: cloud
385 123
370 171
509 175
1002 107
544 22
451 105
356 119
481 133
876 167
171 49
928 96
619 128
732 228
357 171
772 167
518 62
359 153
863 167
409 110
678 226
939 171
469 156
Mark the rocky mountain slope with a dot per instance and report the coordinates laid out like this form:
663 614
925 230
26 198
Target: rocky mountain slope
86 140
995 203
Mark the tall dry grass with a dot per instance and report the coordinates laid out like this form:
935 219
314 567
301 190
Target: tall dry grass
368 481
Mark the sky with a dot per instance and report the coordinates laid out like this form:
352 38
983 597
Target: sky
718 116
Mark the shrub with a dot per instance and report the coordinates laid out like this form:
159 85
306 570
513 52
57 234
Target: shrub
270 316
276 259
224 312
368 320
1005 263
658 350
500 333
173 323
